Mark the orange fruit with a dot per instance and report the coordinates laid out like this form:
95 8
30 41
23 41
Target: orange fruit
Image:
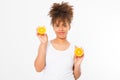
79 52
41 30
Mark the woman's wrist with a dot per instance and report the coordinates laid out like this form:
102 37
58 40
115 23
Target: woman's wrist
77 64
43 44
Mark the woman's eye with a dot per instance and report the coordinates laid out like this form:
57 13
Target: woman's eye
65 25
57 25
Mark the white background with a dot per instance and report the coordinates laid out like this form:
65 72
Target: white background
95 27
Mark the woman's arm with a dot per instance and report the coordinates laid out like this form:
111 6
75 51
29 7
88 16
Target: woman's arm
77 66
77 71
40 60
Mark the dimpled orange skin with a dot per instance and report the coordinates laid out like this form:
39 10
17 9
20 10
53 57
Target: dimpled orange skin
79 52
41 30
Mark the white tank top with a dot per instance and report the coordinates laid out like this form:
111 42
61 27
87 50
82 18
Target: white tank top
59 64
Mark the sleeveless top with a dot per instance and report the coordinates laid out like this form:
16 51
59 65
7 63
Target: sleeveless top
59 64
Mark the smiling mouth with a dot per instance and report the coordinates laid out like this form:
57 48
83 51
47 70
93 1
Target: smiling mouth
61 32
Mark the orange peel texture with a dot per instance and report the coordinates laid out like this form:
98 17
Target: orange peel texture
41 30
79 52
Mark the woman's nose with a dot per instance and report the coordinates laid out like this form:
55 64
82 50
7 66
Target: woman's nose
61 28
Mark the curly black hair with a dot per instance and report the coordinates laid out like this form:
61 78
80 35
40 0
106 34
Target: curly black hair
62 11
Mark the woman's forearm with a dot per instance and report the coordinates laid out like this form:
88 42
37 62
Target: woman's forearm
77 71
40 59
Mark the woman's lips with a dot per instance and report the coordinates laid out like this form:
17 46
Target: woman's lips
61 33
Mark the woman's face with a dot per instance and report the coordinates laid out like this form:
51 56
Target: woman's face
61 29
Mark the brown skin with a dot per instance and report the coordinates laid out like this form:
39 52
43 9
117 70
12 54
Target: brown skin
60 43
41 57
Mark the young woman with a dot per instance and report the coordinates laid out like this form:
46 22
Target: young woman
56 57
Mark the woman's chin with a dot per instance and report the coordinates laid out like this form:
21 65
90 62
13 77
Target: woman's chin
62 37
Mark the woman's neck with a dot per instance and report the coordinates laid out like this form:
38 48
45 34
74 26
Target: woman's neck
60 41
60 44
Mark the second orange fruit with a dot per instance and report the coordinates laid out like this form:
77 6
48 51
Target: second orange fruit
79 52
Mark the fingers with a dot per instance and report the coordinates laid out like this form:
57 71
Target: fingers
76 46
41 35
38 34
79 56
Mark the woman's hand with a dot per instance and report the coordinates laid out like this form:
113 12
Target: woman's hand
77 66
43 38
78 60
